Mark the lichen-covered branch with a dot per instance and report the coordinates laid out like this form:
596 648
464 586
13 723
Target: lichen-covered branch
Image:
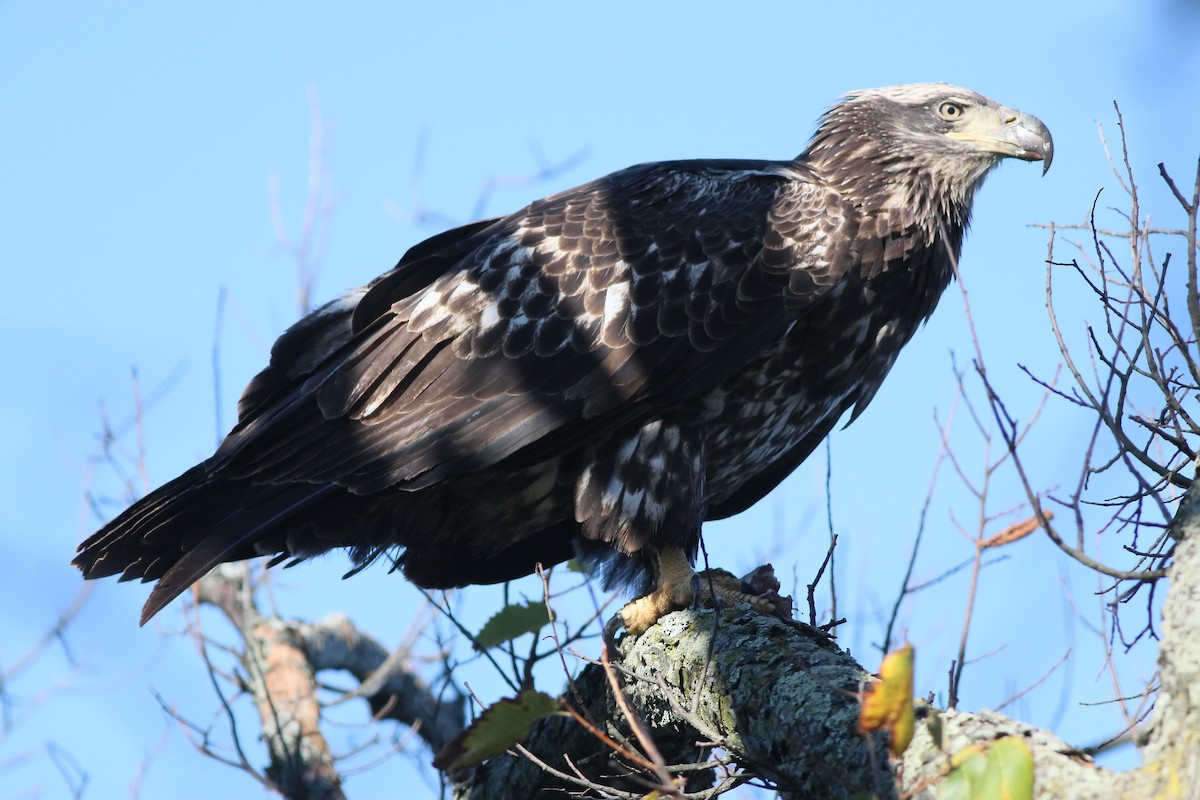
781 699
1172 755
281 659
385 683
284 685
1060 771
779 696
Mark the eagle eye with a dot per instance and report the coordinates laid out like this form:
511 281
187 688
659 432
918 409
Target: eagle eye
950 111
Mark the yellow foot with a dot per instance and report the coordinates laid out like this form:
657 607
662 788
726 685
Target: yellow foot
643 612
677 587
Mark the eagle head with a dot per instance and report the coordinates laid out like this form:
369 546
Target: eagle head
927 145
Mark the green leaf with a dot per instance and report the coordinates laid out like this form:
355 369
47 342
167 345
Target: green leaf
969 765
955 786
499 727
1004 773
936 729
1009 773
510 622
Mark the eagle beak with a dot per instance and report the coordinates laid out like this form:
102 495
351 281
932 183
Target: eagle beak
1012 134
1031 138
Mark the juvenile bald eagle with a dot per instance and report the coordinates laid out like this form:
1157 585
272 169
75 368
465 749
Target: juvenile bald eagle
596 374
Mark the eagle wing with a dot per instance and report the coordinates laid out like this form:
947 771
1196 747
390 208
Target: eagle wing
536 332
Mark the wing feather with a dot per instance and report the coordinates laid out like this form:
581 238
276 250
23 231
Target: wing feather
541 330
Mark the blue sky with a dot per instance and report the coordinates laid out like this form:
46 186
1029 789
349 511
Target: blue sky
136 145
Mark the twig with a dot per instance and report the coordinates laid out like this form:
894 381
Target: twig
812 587
1035 684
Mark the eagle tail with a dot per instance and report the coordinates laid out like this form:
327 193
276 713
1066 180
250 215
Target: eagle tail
179 532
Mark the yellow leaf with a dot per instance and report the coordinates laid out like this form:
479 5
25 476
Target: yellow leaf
889 703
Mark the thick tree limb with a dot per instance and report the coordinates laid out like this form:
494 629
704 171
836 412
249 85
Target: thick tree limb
776 694
781 699
1060 772
284 686
385 682
1172 766
281 659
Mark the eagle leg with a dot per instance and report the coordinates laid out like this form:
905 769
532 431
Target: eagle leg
674 591
679 586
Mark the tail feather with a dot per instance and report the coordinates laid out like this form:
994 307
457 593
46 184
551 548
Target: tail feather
179 532
231 541
124 546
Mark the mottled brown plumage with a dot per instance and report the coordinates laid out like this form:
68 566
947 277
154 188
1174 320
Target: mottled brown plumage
596 374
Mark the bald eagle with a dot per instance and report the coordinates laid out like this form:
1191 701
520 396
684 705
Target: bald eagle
596 374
